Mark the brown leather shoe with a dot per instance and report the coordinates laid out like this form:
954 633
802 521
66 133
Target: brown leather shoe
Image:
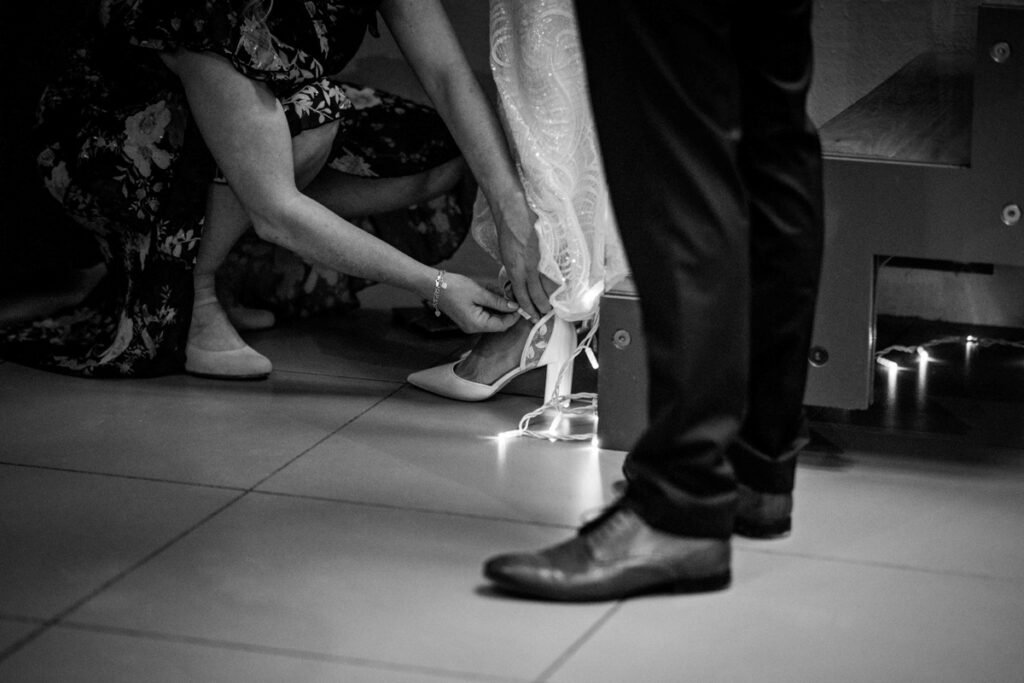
763 515
618 555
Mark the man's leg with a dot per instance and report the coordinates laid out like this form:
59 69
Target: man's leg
665 91
711 221
780 159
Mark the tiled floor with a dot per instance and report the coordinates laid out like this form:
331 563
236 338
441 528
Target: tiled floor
329 525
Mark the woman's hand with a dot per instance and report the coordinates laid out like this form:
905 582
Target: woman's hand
474 308
428 41
519 248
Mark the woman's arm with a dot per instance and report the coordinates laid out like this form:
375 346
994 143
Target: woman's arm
429 43
245 128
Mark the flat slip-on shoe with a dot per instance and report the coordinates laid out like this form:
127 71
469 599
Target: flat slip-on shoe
242 364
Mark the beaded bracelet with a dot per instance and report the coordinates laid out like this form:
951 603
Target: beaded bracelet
439 284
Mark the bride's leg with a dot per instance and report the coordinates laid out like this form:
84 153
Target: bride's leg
494 354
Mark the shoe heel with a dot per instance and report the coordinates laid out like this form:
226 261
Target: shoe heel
558 355
556 384
775 529
704 584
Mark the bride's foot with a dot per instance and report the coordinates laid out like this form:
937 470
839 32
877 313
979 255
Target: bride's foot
499 358
493 355
214 348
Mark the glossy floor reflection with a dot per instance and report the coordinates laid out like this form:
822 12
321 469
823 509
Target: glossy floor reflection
329 525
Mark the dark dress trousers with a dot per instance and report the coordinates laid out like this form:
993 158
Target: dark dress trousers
715 176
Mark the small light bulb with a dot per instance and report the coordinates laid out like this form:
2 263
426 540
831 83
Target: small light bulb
971 339
591 356
889 364
922 355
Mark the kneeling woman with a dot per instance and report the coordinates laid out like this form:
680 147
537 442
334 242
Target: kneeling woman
184 123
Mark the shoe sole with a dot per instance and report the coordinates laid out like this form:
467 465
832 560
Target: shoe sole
705 584
229 378
772 530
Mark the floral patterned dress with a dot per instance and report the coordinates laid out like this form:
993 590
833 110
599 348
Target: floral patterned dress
121 152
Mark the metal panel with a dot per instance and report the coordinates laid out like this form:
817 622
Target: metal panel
890 209
622 379
874 209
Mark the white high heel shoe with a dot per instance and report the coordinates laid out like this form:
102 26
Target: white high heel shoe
550 344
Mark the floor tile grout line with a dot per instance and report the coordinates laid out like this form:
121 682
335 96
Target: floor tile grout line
60 616
21 619
422 510
466 515
294 653
334 432
573 527
50 622
881 565
244 489
117 475
314 373
575 646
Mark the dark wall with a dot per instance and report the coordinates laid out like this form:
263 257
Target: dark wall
36 241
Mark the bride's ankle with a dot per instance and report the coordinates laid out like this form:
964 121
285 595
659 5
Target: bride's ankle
495 354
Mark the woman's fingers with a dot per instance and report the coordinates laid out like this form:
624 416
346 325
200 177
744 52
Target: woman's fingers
493 322
538 294
522 294
496 302
495 312
477 309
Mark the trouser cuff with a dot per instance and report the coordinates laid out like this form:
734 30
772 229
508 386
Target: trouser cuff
762 473
675 511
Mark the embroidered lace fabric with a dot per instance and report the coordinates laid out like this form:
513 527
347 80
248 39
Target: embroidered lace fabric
537 65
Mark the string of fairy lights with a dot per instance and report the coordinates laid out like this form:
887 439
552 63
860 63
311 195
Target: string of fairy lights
566 410
921 351
582 406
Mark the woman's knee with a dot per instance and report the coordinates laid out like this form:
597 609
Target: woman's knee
310 151
443 178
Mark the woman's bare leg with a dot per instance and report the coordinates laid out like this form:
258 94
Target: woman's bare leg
492 355
225 222
354 197
350 196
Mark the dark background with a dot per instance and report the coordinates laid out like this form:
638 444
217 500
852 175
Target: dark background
38 245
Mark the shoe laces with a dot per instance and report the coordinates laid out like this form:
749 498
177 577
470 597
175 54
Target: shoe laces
606 523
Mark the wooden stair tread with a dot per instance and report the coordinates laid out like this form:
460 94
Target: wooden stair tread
920 114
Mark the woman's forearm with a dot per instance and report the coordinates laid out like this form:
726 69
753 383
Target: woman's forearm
317 234
432 48
245 128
